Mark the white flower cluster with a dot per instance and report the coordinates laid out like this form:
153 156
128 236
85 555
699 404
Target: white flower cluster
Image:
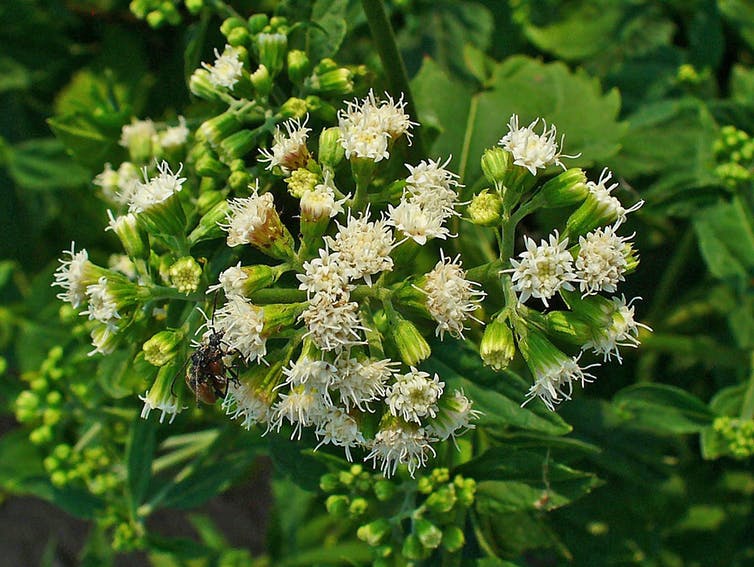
428 202
156 190
531 150
288 151
118 185
241 324
227 68
553 383
368 127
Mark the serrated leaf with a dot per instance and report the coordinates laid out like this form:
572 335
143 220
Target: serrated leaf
42 164
726 239
662 408
139 456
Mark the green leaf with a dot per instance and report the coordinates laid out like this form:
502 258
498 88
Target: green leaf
726 239
91 140
326 36
665 409
345 553
740 13
294 461
204 482
42 164
19 461
139 455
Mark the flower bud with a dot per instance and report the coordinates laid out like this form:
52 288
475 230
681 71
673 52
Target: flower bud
496 163
104 340
293 108
497 347
161 348
358 507
185 274
207 165
568 326
208 227
412 346
486 209
126 228
374 533
238 145
334 82
413 549
465 490
218 128
566 189
208 198
257 22
429 534
238 37
229 24
261 80
137 139
300 181
280 316
239 180
160 397
384 490
329 482
331 151
299 66
194 6
337 505
321 109
272 50
452 538
201 87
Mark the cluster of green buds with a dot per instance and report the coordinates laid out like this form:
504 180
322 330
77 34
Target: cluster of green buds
738 435
418 520
126 534
158 13
734 153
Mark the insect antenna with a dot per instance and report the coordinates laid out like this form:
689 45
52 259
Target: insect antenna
180 371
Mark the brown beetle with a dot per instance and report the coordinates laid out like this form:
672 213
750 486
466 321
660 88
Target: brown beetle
207 376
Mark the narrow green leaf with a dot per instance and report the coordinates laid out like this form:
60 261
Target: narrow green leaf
665 409
139 455
726 239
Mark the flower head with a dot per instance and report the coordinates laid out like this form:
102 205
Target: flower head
301 407
454 416
244 402
333 322
288 151
338 428
401 443
325 275
622 329
364 246
362 382
608 206
71 275
159 397
417 222
226 70
102 305
241 324
601 261
414 395
433 186
543 270
175 136
531 150
157 189
320 202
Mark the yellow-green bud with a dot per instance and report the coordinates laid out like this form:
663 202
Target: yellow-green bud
429 534
194 6
345 478
200 86
453 538
184 274
329 482
321 109
238 37
229 24
161 348
497 347
272 50
358 507
293 108
374 532
261 80
337 505
299 66
126 228
486 209
412 346
156 19
218 128
300 181
413 549
466 490
257 22
331 83
208 165
425 485
238 145
569 327
208 199
496 162
239 180
50 463
59 479
41 435
54 398
442 500
384 490
331 151
207 229
62 452
566 189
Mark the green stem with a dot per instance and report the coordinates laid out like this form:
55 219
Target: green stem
159 292
747 409
392 62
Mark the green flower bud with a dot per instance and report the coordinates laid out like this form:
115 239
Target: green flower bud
261 80
299 66
497 347
208 229
281 316
257 22
425 485
41 435
238 145
412 346
126 228
413 549
496 162
104 340
466 490
337 505
239 180
374 532
293 108
331 151
358 507
442 500
272 50
161 348
218 128
334 82
185 274
59 479
201 87
277 23
300 181
207 199
345 478
156 19
486 209
238 37
229 24
62 452
54 398
329 482
429 534
566 189
384 490
194 6
599 208
568 327
321 109
209 166
50 463
452 538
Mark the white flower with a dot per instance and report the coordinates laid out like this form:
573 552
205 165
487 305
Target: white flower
302 407
340 429
417 222
325 274
227 68
166 405
231 281
175 136
333 323
360 383
623 331
553 381
392 115
137 132
361 139
128 183
289 150
107 180
243 402
101 306
543 269
610 206
318 374
451 298
248 218
432 186
401 444
530 150
156 190
241 324
414 395
454 417
70 276
320 202
103 340
364 246
601 260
